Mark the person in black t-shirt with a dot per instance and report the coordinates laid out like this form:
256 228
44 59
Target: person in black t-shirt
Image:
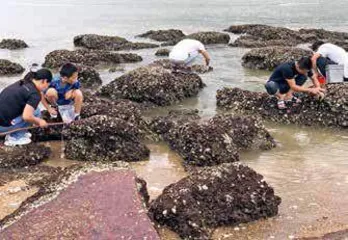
290 77
19 103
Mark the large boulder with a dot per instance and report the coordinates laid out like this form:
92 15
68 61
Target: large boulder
90 58
163 35
211 142
153 84
9 68
104 139
110 43
13 44
248 41
84 202
329 112
270 57
228 194
23 156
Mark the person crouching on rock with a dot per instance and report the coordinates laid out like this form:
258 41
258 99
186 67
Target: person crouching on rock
64 90
326 54
185 52
19 106
288 78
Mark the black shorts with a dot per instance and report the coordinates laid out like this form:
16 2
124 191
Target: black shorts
283 87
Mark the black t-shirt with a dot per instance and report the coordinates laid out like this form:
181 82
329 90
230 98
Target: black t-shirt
286 71
13 100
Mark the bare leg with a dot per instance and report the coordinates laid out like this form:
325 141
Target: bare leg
77 97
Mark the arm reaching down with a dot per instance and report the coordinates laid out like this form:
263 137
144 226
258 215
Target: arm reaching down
206 56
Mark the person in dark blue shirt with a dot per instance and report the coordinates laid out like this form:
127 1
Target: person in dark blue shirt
290 77
64 90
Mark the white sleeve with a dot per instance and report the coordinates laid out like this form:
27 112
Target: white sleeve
201 47
323 51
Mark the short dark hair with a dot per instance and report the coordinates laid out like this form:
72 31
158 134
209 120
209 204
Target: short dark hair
305 63
317 44
68 69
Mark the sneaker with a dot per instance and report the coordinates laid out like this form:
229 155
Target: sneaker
13 141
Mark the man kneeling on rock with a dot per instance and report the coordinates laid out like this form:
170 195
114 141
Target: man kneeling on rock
290 77
185 52
64 90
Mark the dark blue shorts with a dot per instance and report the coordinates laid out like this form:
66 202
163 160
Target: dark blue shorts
283 87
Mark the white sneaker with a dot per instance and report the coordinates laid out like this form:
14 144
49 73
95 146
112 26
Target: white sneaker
27 135
12 141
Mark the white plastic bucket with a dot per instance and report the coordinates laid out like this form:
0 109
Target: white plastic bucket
67 112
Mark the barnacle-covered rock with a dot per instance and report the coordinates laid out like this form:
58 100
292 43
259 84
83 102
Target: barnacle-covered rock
89 78
163 35
153 84
329 112
162 52
13 44
218 140
110 43
270 57
196 68
206 38
103 138
227 194
258 35
23 156
9 68
83 201
90 58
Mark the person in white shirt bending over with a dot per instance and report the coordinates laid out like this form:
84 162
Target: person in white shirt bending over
327 53
185 52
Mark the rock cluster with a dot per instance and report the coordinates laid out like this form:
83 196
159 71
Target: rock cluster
228 194
258 35
212 142
9 68
153 84
270 57
89 77
196 68
90 58
109 43
329 112
162 52
13 44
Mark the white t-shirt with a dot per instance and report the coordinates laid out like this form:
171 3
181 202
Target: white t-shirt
186 48
335 53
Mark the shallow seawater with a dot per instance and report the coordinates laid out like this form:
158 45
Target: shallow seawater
308 169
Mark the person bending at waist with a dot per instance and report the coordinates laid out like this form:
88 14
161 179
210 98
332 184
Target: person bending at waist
326 54
185 52
64 90
19 106
288 78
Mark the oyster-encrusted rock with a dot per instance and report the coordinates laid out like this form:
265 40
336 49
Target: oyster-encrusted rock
207 38
110 43
13 44
270 57
9 68
103 138
228 194
329 112
195 68
89 78
153 84
258 35
23 156
90 58
162 52
163 35
218 140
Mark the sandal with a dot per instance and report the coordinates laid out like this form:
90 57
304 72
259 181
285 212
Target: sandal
296 101
281 105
